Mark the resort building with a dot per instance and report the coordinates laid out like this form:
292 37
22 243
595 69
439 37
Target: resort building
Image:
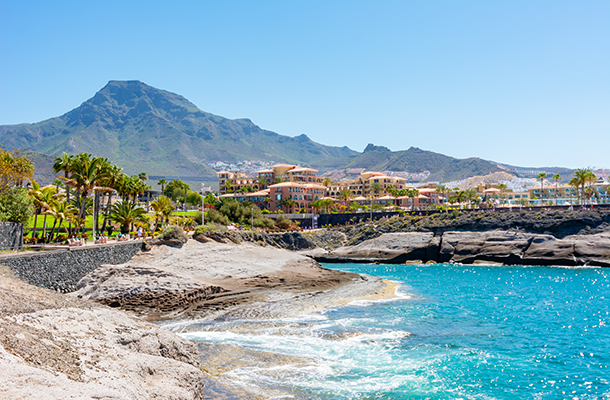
283 187
368 184
566 194
292 197
238 182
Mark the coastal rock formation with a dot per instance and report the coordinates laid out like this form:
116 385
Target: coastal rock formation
56 347
203 279
137 286
390 248
498 246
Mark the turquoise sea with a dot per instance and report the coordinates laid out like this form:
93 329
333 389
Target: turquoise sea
454 332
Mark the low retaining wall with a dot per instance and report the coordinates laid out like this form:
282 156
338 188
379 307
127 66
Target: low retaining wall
11 236
61 269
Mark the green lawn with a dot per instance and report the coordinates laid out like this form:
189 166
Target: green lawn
190 213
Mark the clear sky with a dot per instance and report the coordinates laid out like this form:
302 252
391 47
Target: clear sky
521 82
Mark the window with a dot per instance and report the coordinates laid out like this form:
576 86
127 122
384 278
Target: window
278 197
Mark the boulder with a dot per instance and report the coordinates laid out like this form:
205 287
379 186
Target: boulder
388 248
493 246
134 286
54 346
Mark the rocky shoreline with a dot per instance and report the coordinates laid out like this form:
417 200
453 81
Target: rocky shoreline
95 343
98 342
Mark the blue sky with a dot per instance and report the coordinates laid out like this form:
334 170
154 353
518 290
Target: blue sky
521 82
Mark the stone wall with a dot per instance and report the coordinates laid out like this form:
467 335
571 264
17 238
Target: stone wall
61 269
11 236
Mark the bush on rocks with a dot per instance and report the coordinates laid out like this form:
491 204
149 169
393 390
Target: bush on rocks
173 235
210 227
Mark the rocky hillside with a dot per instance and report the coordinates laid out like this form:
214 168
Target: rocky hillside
441 167
142 128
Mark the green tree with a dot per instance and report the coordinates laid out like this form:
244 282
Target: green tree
194 199
87 175
15 169
541 176
582 177
345 195
64 163
162 182
557 177
126 213
261 182
442 189
162 207
63 211
16 205
288 205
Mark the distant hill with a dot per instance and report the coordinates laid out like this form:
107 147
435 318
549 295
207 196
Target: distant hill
442 168
144 129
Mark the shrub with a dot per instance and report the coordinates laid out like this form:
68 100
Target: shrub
210 227
217 217
283 222
173 232
264 222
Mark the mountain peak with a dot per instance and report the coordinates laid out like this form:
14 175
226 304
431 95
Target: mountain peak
372 147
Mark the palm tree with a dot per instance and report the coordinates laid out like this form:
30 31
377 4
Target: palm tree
541 176
48 197
86 176
317 205
412 194
162 207
126 213
557 177
64 163
327 181
575 183
111 180
443 190
143 176
345 195
36 193
502 188
288 204
162 182
64 212
327 203
461 197
262 182
229 186
583 176
470 195
589 192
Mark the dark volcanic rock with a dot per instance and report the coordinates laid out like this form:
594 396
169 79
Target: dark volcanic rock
390 247
508 247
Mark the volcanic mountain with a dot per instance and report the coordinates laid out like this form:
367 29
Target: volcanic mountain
144 129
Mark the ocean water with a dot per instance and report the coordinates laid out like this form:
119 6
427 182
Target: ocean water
454 332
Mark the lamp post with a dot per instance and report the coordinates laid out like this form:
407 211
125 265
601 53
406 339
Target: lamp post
93 219
202 205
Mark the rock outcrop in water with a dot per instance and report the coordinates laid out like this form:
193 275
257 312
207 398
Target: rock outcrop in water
507 247
559 237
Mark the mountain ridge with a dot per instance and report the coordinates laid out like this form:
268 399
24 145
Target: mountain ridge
145 129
